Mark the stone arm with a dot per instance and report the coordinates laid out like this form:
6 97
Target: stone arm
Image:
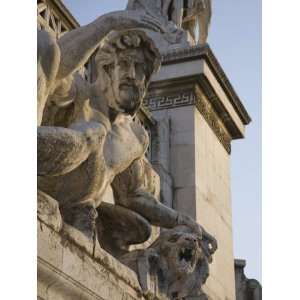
78 45
137 189
61 150
59 60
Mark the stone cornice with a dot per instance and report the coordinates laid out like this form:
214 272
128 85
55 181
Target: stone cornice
204 52
219 108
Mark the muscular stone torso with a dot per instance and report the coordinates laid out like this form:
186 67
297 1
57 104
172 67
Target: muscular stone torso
122 144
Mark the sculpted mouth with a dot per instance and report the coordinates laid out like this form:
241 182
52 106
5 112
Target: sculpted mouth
128 85
186 255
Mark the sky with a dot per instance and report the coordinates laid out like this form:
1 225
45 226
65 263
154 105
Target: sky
235 39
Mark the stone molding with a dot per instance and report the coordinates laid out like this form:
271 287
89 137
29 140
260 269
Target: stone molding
196 89
170 101
175 92
193 97
213 120
204 51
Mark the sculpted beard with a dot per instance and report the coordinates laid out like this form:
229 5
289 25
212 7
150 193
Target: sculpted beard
131 95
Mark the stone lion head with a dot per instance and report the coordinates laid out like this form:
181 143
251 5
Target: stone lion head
177 262
181 251
183 262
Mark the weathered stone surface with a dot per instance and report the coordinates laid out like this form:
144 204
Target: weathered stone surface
192 94
176 264
57 61
102 145
93 144
179 19
66 270
118 228
48 211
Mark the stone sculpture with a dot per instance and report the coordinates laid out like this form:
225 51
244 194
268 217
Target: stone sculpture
170 35
61 91
93 143
196 19
59 60
177 261
78 162
192 16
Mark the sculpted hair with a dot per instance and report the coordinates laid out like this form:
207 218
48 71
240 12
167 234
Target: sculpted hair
116 41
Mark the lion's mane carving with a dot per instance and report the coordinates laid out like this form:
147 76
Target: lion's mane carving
175 266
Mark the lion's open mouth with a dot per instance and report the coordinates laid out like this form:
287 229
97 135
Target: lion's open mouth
186 254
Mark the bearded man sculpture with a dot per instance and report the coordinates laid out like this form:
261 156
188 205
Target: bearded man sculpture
101 146
95 145
90 144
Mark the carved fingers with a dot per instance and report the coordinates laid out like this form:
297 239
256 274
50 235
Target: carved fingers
212 242
188 221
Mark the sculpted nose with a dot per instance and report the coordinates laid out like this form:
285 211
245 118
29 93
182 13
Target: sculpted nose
191 239
131 71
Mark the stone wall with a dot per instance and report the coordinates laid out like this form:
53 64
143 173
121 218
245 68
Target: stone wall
213 206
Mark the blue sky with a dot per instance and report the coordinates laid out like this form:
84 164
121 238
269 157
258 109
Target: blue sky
235 38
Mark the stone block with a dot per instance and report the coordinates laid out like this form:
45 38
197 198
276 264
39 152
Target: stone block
67 270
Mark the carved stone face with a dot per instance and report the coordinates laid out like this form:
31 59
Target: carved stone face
128 78
177 259
183 253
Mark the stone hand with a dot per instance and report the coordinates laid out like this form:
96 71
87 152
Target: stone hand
188 221
208 241
212 244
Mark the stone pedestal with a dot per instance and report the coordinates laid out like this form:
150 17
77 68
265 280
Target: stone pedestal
69 268
198 114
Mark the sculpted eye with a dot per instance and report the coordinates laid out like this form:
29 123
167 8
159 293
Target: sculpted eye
174 238
124 64
141 67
